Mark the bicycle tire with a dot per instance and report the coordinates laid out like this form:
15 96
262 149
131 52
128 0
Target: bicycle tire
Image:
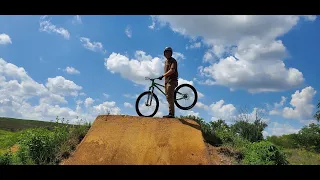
195 99
137 104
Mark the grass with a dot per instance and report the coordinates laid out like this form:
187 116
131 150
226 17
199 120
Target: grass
7 139
13 124
40 143
302 157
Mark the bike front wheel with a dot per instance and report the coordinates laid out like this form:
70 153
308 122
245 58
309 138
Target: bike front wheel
147 104
185 96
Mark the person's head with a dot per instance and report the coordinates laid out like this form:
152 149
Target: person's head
167 52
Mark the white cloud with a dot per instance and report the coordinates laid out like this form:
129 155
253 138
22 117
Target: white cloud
17 88
76 20
188 113
277 106
53 99
302 104
5 39
88 101
250 56
208 56
71 70
60 85
202 106
136 69
278 129
127 105
152 26
219 110
106 107
128 31
194 45
93 46
178 56
47 26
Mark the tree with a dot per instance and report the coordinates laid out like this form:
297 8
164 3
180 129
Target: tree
250 125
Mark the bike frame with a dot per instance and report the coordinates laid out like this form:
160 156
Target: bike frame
153 85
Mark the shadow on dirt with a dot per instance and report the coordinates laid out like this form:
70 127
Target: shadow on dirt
190 124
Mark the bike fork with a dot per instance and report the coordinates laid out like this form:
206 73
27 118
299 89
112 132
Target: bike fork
151 97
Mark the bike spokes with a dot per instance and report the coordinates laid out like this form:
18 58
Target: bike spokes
147 104
185 96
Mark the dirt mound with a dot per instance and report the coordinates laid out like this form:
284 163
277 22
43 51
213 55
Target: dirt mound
121 140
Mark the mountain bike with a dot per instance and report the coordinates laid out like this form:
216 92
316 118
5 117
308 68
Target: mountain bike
182 92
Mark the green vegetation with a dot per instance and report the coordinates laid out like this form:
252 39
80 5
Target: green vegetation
44 143
243 140
13 125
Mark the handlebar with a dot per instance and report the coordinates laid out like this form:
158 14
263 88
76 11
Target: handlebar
151 79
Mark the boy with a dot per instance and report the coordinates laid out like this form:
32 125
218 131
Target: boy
171 79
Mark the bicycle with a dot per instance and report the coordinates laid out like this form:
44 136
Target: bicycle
177 92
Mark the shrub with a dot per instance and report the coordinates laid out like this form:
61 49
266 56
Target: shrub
41 145
250 131
263 153
49 146
6 158
285 141
309 137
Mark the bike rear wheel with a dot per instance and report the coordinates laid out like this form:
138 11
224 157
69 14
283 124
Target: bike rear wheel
182 94
151 100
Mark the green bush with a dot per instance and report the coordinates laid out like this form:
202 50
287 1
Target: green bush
250 131
49 146
285 141
309 137
263 153
41 145
6 158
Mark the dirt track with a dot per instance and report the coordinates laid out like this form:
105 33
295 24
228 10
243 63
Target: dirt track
121 140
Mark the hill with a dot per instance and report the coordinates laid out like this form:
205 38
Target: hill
13 124
140 140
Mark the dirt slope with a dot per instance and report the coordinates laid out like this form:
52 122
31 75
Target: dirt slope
122 140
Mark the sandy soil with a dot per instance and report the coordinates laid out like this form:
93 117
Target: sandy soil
124 140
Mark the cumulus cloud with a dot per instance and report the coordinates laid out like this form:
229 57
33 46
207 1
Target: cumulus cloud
17 89
278 106
88 101
5 39
135 69
106 108
92 46
247 52
127 105
220 110
60 85
71 70
139 67
278 129
301 102
47 26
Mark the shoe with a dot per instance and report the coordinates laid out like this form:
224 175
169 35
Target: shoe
168 116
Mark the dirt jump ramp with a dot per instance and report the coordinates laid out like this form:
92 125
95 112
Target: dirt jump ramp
131 140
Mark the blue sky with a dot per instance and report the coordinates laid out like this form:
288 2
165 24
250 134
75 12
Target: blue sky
88 65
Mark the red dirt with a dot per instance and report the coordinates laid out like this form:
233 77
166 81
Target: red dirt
124 140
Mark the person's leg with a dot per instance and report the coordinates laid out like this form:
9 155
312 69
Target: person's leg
170 97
